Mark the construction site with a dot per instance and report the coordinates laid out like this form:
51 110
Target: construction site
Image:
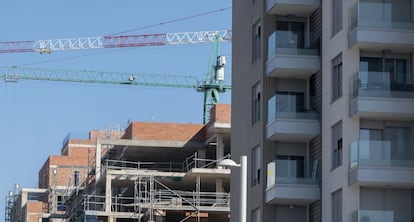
144 171
149 172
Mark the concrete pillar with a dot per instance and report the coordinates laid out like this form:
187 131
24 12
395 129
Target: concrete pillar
108 193
219 189
98 161
201 154
219 149
24 199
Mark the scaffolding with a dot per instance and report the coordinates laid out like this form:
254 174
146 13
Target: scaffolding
144 195
13 199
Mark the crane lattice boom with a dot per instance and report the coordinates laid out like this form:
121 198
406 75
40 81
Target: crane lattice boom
14 74
47 46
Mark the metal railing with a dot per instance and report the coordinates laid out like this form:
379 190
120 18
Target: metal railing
189 163
180 198
93 203
208 163
162 198
159 166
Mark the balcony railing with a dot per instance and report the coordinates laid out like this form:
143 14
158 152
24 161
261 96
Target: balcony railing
373 215
389 15
288 172
379 153
189 163
379 84
281 111
287 43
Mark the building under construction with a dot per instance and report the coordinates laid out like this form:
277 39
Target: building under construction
149 172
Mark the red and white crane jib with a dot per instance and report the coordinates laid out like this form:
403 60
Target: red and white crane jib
48 46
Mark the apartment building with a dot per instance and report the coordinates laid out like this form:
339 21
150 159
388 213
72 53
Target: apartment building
160 172
323 106
151 172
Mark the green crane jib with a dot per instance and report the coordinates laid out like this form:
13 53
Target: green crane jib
14 74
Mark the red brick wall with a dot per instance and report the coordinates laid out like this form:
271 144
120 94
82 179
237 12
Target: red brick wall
220 113
33 209
165 131
77 158
36 207
44 175
95 134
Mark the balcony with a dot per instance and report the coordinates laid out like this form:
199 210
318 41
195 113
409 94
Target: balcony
373 215
286 124
287 58
381 163
300 8
378 25
286 183
373 95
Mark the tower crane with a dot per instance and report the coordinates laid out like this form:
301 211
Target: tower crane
211 86
100 42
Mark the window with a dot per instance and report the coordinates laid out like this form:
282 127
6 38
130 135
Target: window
337 206
290 102
290 35
385 141
33 197
290 166
256 49
337 77
387 72
337 145
255 215
336 16
60 203
255 166
256 103
76 178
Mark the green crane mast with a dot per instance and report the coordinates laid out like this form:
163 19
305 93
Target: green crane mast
214 83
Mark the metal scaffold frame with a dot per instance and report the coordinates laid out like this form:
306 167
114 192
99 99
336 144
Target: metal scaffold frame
151 196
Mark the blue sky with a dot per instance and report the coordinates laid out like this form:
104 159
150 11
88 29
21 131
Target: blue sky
36 116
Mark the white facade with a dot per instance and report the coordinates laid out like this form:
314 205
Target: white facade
335 120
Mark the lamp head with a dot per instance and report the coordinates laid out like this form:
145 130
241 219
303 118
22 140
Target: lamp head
228 163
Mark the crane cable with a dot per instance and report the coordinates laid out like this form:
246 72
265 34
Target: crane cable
172 21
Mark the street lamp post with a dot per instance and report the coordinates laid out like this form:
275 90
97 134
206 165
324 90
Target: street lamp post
243 183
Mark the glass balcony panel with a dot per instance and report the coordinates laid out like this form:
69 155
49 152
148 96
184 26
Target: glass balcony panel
288 43
380 84
380 14
378 153
287 172
373 215
271 48
288 107
271 109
